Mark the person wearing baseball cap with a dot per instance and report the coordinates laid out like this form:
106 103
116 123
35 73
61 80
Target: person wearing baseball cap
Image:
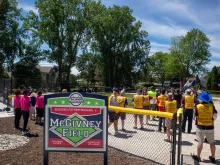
205 114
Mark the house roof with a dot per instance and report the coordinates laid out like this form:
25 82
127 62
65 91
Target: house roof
45 69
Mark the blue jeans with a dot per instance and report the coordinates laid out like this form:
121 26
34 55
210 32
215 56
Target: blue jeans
188 115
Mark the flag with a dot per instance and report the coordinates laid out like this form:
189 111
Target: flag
187 84
193 83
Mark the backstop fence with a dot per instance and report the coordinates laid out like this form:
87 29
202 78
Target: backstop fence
150 141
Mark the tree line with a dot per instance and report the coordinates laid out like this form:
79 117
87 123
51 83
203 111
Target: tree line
106 44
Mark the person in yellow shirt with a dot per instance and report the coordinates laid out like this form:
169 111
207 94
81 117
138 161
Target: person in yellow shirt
188 104
122 102
205 115
138 101
113 116
171 107
161 103
147 99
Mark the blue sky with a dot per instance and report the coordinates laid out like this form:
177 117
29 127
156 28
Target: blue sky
163 19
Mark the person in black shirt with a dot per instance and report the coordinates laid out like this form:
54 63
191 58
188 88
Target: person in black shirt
178 98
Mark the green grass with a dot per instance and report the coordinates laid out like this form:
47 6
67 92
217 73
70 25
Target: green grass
128 96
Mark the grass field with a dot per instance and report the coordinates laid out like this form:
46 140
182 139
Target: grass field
215 93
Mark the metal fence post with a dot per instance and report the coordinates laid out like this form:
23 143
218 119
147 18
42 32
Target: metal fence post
179 140
174 139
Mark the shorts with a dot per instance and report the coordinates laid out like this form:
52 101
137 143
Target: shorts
40 112
209 134
140 116
113 116
147 107
168 123
122 115
32 109
153 107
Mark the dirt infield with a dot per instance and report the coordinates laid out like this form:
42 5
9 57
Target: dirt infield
32 152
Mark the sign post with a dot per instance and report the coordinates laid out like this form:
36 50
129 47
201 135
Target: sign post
75 122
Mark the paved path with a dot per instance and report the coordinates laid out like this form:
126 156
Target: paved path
150 144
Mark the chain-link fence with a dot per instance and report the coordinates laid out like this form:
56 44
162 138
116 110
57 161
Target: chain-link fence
149 142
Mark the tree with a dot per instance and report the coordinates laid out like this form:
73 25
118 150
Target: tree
214 78
89 65
62 25
189 54
10 33
158 66
27 74
123 46
208 84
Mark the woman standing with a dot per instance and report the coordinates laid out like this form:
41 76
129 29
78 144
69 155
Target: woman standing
25 108
39 107
17 108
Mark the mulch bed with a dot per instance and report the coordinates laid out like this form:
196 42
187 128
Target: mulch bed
32 152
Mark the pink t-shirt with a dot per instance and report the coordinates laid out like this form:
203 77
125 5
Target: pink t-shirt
17 103
25 103
39 102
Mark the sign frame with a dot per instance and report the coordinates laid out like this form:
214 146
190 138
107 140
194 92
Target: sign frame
104 108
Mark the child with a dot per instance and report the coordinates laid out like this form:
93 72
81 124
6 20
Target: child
17 109
25 108
32 105
39 107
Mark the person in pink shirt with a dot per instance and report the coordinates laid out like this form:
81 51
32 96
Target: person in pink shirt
25 108
17 109
39 107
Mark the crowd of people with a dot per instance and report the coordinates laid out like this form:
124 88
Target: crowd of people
27 104
197 106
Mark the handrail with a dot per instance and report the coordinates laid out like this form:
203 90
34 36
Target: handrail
145 112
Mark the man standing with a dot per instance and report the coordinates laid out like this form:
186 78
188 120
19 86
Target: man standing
122 102
188 105
178 98
113 116
161 103
138 101
152 93
171 107
205 116
146 104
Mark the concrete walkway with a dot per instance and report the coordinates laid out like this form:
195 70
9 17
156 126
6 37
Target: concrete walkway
150 144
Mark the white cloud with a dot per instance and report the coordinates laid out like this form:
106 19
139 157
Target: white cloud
156 47
74 71
28 8
162 30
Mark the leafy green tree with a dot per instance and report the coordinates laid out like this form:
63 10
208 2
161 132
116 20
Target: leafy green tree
214 78
158 66
10 33
208 84
27 74
62 25
189 54
123 46
89 65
